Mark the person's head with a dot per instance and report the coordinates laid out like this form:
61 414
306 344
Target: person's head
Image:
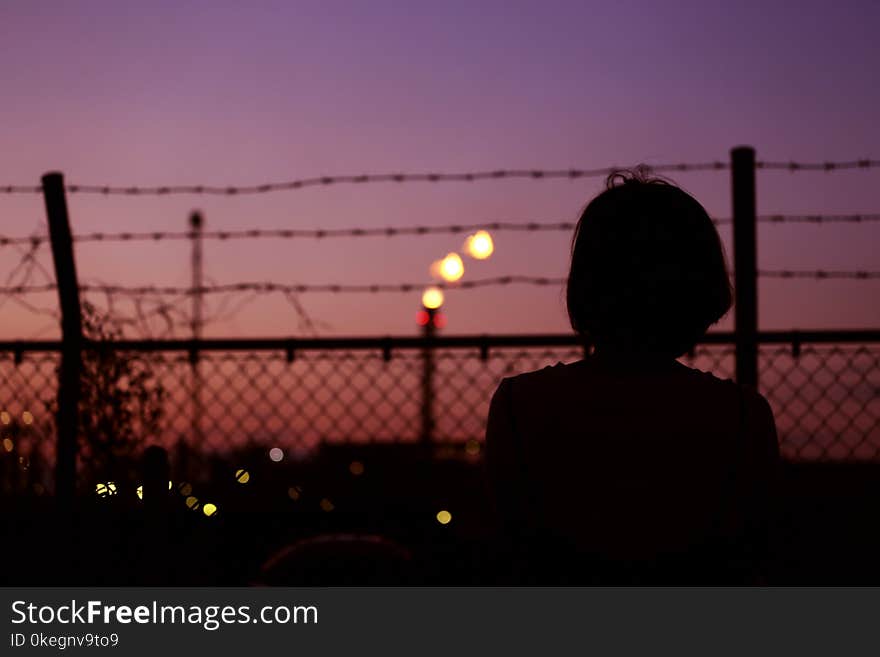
647 275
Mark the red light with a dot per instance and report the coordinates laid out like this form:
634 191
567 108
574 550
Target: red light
439 320
422 318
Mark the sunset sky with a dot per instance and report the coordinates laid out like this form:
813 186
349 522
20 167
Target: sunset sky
221 93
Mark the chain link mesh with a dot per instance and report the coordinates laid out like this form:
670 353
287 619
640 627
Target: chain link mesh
826 401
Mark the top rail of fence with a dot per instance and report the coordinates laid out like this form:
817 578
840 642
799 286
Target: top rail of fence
419 342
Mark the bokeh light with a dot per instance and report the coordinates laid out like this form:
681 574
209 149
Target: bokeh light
450 268
444 517
432 298
327 505
276 454
209 509
106 489
479 245
242 476
356 468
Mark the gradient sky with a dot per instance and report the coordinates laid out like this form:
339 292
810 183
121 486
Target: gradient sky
240 93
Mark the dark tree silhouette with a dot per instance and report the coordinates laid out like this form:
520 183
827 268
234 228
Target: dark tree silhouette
121 400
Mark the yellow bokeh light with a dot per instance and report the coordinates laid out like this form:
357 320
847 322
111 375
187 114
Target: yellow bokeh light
479 245
242 476
5 418
444 517
8 445
451 268
209 509
192 502
432 298
106 489
185 489
327 505
27 417
472 447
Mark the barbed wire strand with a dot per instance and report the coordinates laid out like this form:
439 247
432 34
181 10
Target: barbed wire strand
367 178
471 176
338 288
863 163
397 231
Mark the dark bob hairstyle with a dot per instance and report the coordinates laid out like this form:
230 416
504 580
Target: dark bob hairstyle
647 275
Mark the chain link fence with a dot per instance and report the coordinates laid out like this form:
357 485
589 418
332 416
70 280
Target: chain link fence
826 400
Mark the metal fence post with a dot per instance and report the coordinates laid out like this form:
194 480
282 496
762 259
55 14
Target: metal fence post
196 224
427 410
742 166
67 420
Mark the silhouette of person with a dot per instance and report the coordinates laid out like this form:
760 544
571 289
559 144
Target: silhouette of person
628 466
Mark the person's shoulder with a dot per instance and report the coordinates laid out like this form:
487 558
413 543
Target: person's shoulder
716 385
708 378
536 378
754 403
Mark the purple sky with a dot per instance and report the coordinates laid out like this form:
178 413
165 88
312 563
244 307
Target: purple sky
240 93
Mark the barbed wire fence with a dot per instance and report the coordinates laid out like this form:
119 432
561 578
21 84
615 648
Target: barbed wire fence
299 396
434 177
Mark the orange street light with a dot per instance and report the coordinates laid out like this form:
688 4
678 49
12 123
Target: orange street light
432 298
